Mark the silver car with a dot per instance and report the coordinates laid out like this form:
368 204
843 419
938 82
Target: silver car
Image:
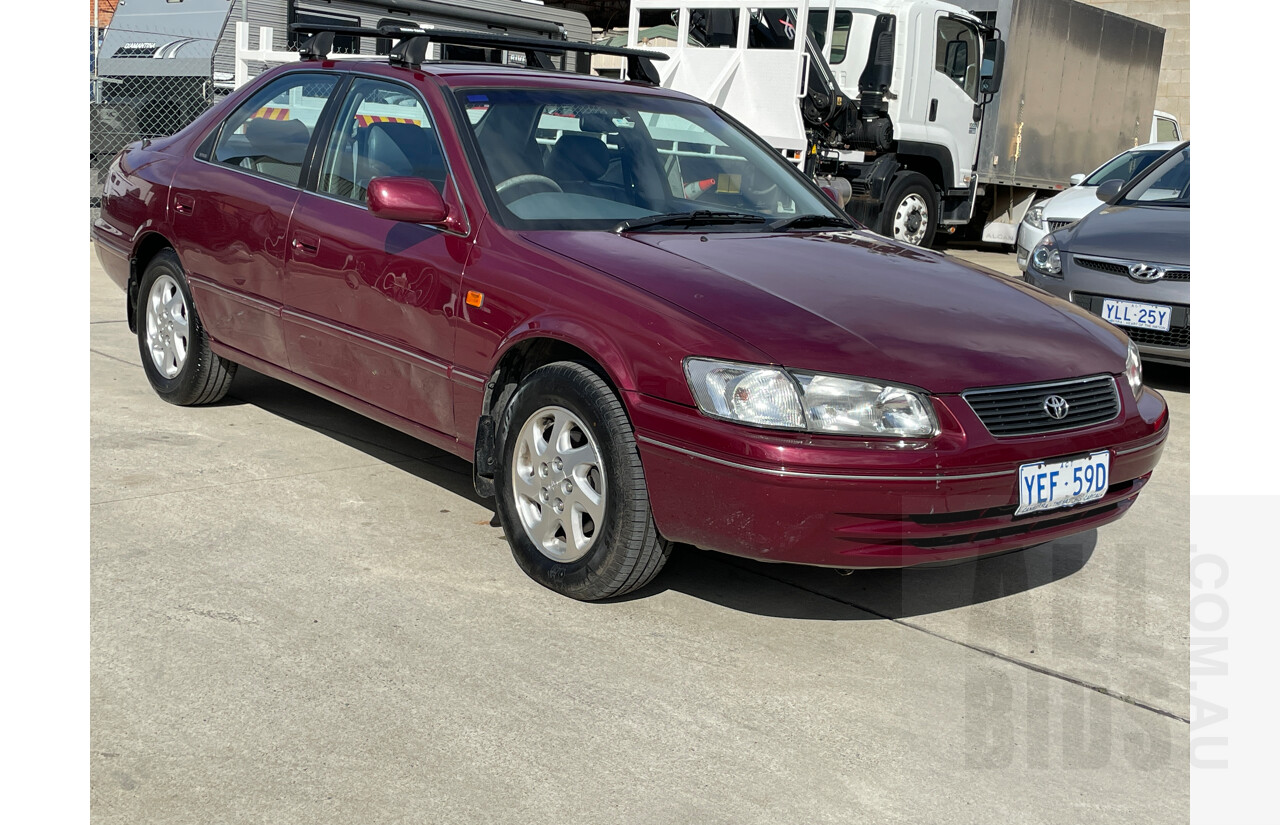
1081 198
1130 263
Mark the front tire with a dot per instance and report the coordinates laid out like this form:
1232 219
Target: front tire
175 351
570 490
910 212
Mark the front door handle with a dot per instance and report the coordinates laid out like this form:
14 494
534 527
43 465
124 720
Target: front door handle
184 204
304 243
933 110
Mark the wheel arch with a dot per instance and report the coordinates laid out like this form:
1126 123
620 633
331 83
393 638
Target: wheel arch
934 162
537 344
145 249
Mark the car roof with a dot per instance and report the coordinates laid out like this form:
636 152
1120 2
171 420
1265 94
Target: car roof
462 74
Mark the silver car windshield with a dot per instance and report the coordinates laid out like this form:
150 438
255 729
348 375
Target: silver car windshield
1124 167
571 159
1169 184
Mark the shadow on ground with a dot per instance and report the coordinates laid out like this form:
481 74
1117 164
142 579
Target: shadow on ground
1167 377
375 440
778 590
797 592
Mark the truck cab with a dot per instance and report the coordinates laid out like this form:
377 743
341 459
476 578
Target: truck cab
886 96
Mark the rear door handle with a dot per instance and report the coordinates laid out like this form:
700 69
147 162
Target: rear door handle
184 204
933 110
304 243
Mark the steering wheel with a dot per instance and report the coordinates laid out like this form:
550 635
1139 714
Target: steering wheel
542 183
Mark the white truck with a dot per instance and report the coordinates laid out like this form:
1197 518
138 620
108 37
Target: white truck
916 111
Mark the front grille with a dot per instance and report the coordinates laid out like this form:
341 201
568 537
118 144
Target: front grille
1119 268
1055 225
1178 336
1014 411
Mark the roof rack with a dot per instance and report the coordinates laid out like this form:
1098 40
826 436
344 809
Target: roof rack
411 51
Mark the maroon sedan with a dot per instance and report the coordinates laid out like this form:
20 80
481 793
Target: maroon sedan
639 323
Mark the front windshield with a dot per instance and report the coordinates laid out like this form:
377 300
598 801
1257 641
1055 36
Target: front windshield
1168 184
565 159
1123 168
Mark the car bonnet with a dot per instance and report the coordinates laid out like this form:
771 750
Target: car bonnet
853 303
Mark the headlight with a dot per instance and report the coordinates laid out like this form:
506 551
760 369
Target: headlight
1045 258
1035 217
741 392
1133 369
773 397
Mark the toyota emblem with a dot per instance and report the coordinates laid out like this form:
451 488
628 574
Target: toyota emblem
1055 406
1145 272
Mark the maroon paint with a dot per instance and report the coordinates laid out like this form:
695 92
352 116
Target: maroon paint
371 315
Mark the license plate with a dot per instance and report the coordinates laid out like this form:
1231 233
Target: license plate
1048 485
1133 314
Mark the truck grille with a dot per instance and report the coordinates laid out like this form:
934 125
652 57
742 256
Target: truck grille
1178 336
1021 410
1121 268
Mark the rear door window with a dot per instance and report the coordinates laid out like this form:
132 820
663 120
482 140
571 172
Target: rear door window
269 133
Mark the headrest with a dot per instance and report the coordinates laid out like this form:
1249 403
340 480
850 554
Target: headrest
578 157
404 149
283 140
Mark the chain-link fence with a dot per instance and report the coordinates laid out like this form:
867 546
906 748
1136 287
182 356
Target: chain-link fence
142 84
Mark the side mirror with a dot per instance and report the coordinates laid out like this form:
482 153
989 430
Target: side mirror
413 200
1077 179
1107 191
992 67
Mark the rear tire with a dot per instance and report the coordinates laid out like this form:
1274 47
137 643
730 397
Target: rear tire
910 213
175 351
570 490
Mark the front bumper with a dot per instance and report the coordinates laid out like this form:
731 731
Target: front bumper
846 502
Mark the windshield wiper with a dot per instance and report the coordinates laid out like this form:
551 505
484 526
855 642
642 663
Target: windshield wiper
807 221
687 220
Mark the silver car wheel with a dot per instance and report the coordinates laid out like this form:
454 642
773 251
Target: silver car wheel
557 477
168 327
911 220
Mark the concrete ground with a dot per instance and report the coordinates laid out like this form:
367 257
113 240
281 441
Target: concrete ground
301 616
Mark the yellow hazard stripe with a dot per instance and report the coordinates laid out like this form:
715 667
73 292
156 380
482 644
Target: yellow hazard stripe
366 120
272 113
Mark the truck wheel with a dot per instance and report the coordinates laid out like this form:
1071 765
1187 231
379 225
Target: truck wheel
910 212
175 351
570 489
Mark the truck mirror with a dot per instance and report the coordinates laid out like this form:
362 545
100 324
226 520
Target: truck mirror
992 67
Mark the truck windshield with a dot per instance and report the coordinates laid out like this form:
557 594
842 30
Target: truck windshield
1124 167
565 159
1168 184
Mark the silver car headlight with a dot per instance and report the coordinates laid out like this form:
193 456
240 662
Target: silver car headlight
794 400
1035 216
1133 369
1045 258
